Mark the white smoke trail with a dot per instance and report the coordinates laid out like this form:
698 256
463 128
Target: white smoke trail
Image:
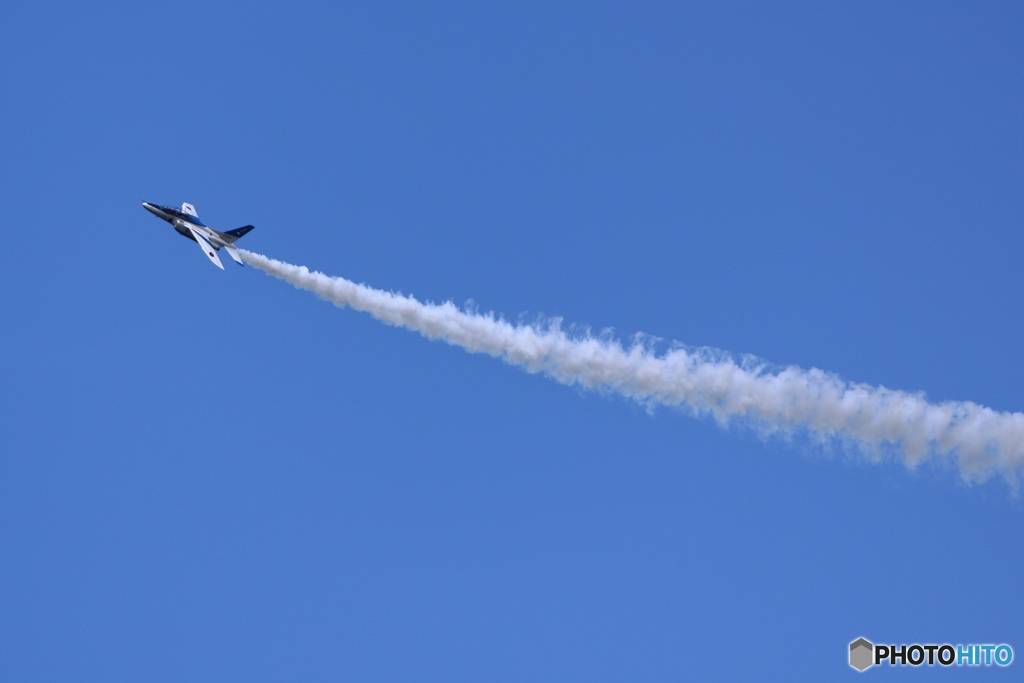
979 440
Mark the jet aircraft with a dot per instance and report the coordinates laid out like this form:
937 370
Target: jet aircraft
186 221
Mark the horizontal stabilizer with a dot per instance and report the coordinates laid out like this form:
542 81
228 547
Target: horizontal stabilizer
234 254
207 249
238 232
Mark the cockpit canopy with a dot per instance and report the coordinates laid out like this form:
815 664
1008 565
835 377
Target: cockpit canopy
178 213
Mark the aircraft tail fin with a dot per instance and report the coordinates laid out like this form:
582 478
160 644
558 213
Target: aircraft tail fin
238 232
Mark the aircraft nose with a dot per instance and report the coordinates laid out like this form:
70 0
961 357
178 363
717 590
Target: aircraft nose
149 207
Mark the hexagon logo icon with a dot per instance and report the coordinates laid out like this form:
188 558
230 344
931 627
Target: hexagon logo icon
862 654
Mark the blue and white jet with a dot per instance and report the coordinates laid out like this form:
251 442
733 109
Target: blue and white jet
186 221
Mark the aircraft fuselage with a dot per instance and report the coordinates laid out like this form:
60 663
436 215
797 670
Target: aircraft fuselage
176 217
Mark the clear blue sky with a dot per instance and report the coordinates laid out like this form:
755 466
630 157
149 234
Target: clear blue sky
209 475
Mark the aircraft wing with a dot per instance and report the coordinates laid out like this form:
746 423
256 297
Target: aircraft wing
207 249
